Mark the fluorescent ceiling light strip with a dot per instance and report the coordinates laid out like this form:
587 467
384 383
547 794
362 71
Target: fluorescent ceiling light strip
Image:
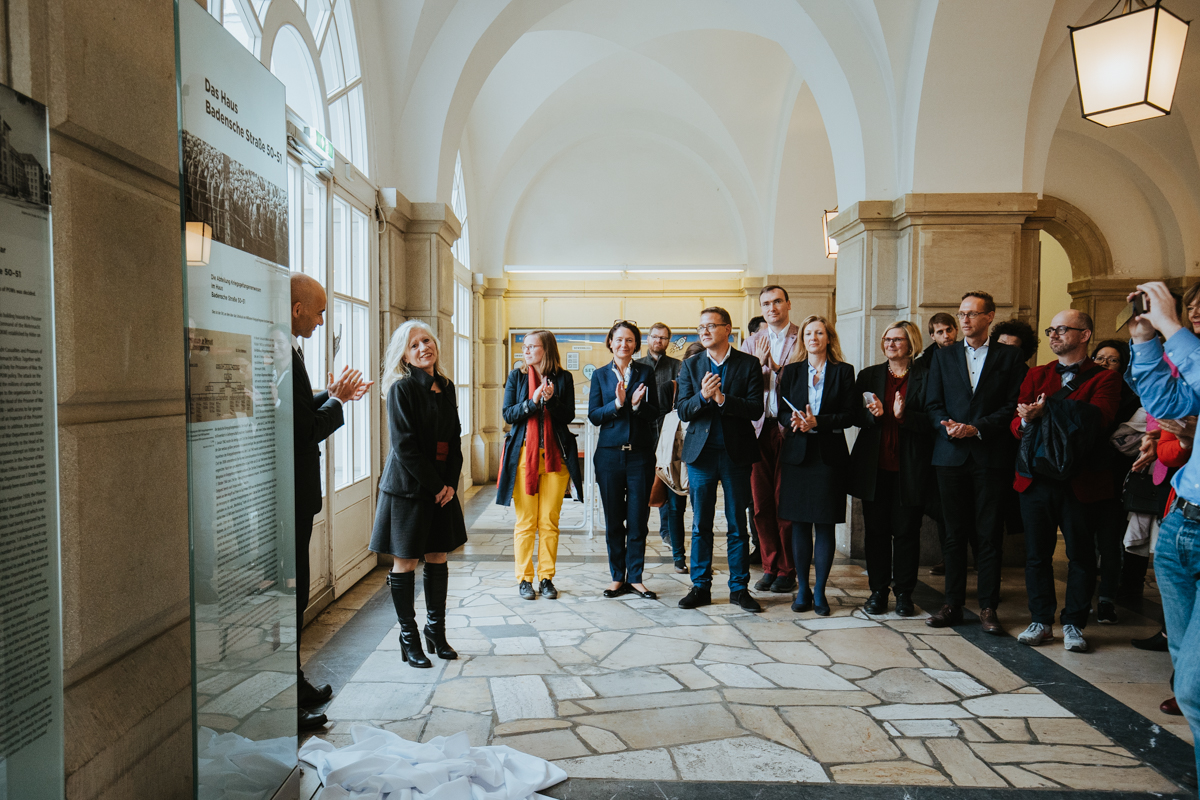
688 270
565 271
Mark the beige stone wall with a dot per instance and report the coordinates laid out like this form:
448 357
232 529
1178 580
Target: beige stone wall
107 73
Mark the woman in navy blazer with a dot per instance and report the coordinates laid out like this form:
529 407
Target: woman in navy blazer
818 386
623 404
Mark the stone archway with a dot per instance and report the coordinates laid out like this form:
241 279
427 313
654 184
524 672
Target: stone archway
1093 287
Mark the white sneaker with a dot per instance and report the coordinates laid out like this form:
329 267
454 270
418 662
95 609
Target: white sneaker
1073 639
1035 634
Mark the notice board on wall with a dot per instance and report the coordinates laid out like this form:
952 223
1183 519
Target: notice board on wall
237 347
31 740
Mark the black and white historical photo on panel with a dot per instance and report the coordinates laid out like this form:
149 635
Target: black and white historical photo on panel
243 209
24 162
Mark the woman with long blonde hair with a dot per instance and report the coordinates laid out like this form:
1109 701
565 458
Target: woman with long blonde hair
541 458
418 515
817 387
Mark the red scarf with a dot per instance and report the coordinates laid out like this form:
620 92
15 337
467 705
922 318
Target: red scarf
553 457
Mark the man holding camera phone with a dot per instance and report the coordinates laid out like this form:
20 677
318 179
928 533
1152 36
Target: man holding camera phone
1177 553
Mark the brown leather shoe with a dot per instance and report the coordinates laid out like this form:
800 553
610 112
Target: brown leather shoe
990 622
945 617
1170 706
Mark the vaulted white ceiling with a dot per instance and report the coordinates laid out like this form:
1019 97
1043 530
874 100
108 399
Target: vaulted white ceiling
714 132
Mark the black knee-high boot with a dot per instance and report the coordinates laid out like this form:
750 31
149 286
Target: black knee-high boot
402 585
436 578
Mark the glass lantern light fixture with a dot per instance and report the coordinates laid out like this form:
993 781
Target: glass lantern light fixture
198 237
1127 65
831 245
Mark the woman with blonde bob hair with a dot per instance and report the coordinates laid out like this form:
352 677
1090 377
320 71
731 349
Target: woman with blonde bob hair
418 515
818 389
892 467
540 458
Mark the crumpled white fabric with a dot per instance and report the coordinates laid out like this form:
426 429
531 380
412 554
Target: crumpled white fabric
383 766
232 767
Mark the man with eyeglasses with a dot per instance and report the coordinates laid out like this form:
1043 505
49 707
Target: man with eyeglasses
666 375
772 344
720 396
970 397
1048 504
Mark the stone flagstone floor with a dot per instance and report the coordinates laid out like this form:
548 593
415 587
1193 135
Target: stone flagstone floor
640 689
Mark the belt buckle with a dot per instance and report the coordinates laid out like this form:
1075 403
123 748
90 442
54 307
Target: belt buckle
626 447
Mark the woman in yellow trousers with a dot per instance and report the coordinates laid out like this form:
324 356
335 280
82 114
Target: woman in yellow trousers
540 458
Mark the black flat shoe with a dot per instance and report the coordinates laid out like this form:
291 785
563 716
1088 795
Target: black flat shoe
696 597
1156 643
681 568
764 583
876 604
904 605
623 589
308 696
803 601
309 721
783 585
526 591
546 589
744 600
821 609
648 594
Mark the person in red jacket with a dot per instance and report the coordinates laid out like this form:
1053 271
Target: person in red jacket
1048 504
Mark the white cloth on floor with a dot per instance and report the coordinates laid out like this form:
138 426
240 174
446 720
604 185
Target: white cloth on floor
382 766
233 767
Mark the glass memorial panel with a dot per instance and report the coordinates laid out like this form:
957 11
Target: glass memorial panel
31 699
239 411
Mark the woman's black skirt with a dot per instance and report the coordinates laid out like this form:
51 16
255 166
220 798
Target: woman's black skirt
811 491
408 527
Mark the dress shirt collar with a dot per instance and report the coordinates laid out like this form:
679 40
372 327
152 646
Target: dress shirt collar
724 358
974 351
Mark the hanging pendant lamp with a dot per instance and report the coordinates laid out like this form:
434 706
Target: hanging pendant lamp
1127 65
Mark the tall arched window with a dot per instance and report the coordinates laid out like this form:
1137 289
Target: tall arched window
331 24
458 201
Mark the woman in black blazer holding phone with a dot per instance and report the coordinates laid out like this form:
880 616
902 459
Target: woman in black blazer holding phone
624 405
818 387
892 467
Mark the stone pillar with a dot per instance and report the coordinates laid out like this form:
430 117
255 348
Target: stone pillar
123 456
491 370
916 256
429 271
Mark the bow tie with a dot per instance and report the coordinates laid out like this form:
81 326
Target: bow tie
1063 369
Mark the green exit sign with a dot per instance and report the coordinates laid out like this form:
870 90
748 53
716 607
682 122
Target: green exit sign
319 142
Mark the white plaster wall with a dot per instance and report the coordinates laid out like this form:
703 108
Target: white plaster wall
1088 176
625 200
806 189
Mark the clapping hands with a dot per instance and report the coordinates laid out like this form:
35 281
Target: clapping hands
803 423
349 386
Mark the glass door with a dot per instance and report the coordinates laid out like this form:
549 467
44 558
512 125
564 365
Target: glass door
307 202
352 464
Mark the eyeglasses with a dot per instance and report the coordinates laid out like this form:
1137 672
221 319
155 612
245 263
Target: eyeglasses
1061 330
655 336
1111 361
972 314
895 340
712 326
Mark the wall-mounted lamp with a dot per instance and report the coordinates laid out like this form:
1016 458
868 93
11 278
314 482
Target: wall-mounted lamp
830 243
1127 65
198 238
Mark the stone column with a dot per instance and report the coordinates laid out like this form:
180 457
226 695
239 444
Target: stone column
429 271
916 256
119 319
491 370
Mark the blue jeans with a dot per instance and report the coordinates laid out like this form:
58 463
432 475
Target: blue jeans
714 466
625 478
670 520
1177 567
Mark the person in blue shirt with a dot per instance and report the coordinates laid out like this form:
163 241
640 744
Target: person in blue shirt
1177 553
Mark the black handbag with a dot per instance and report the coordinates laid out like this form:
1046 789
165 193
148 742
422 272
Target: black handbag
1141 496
